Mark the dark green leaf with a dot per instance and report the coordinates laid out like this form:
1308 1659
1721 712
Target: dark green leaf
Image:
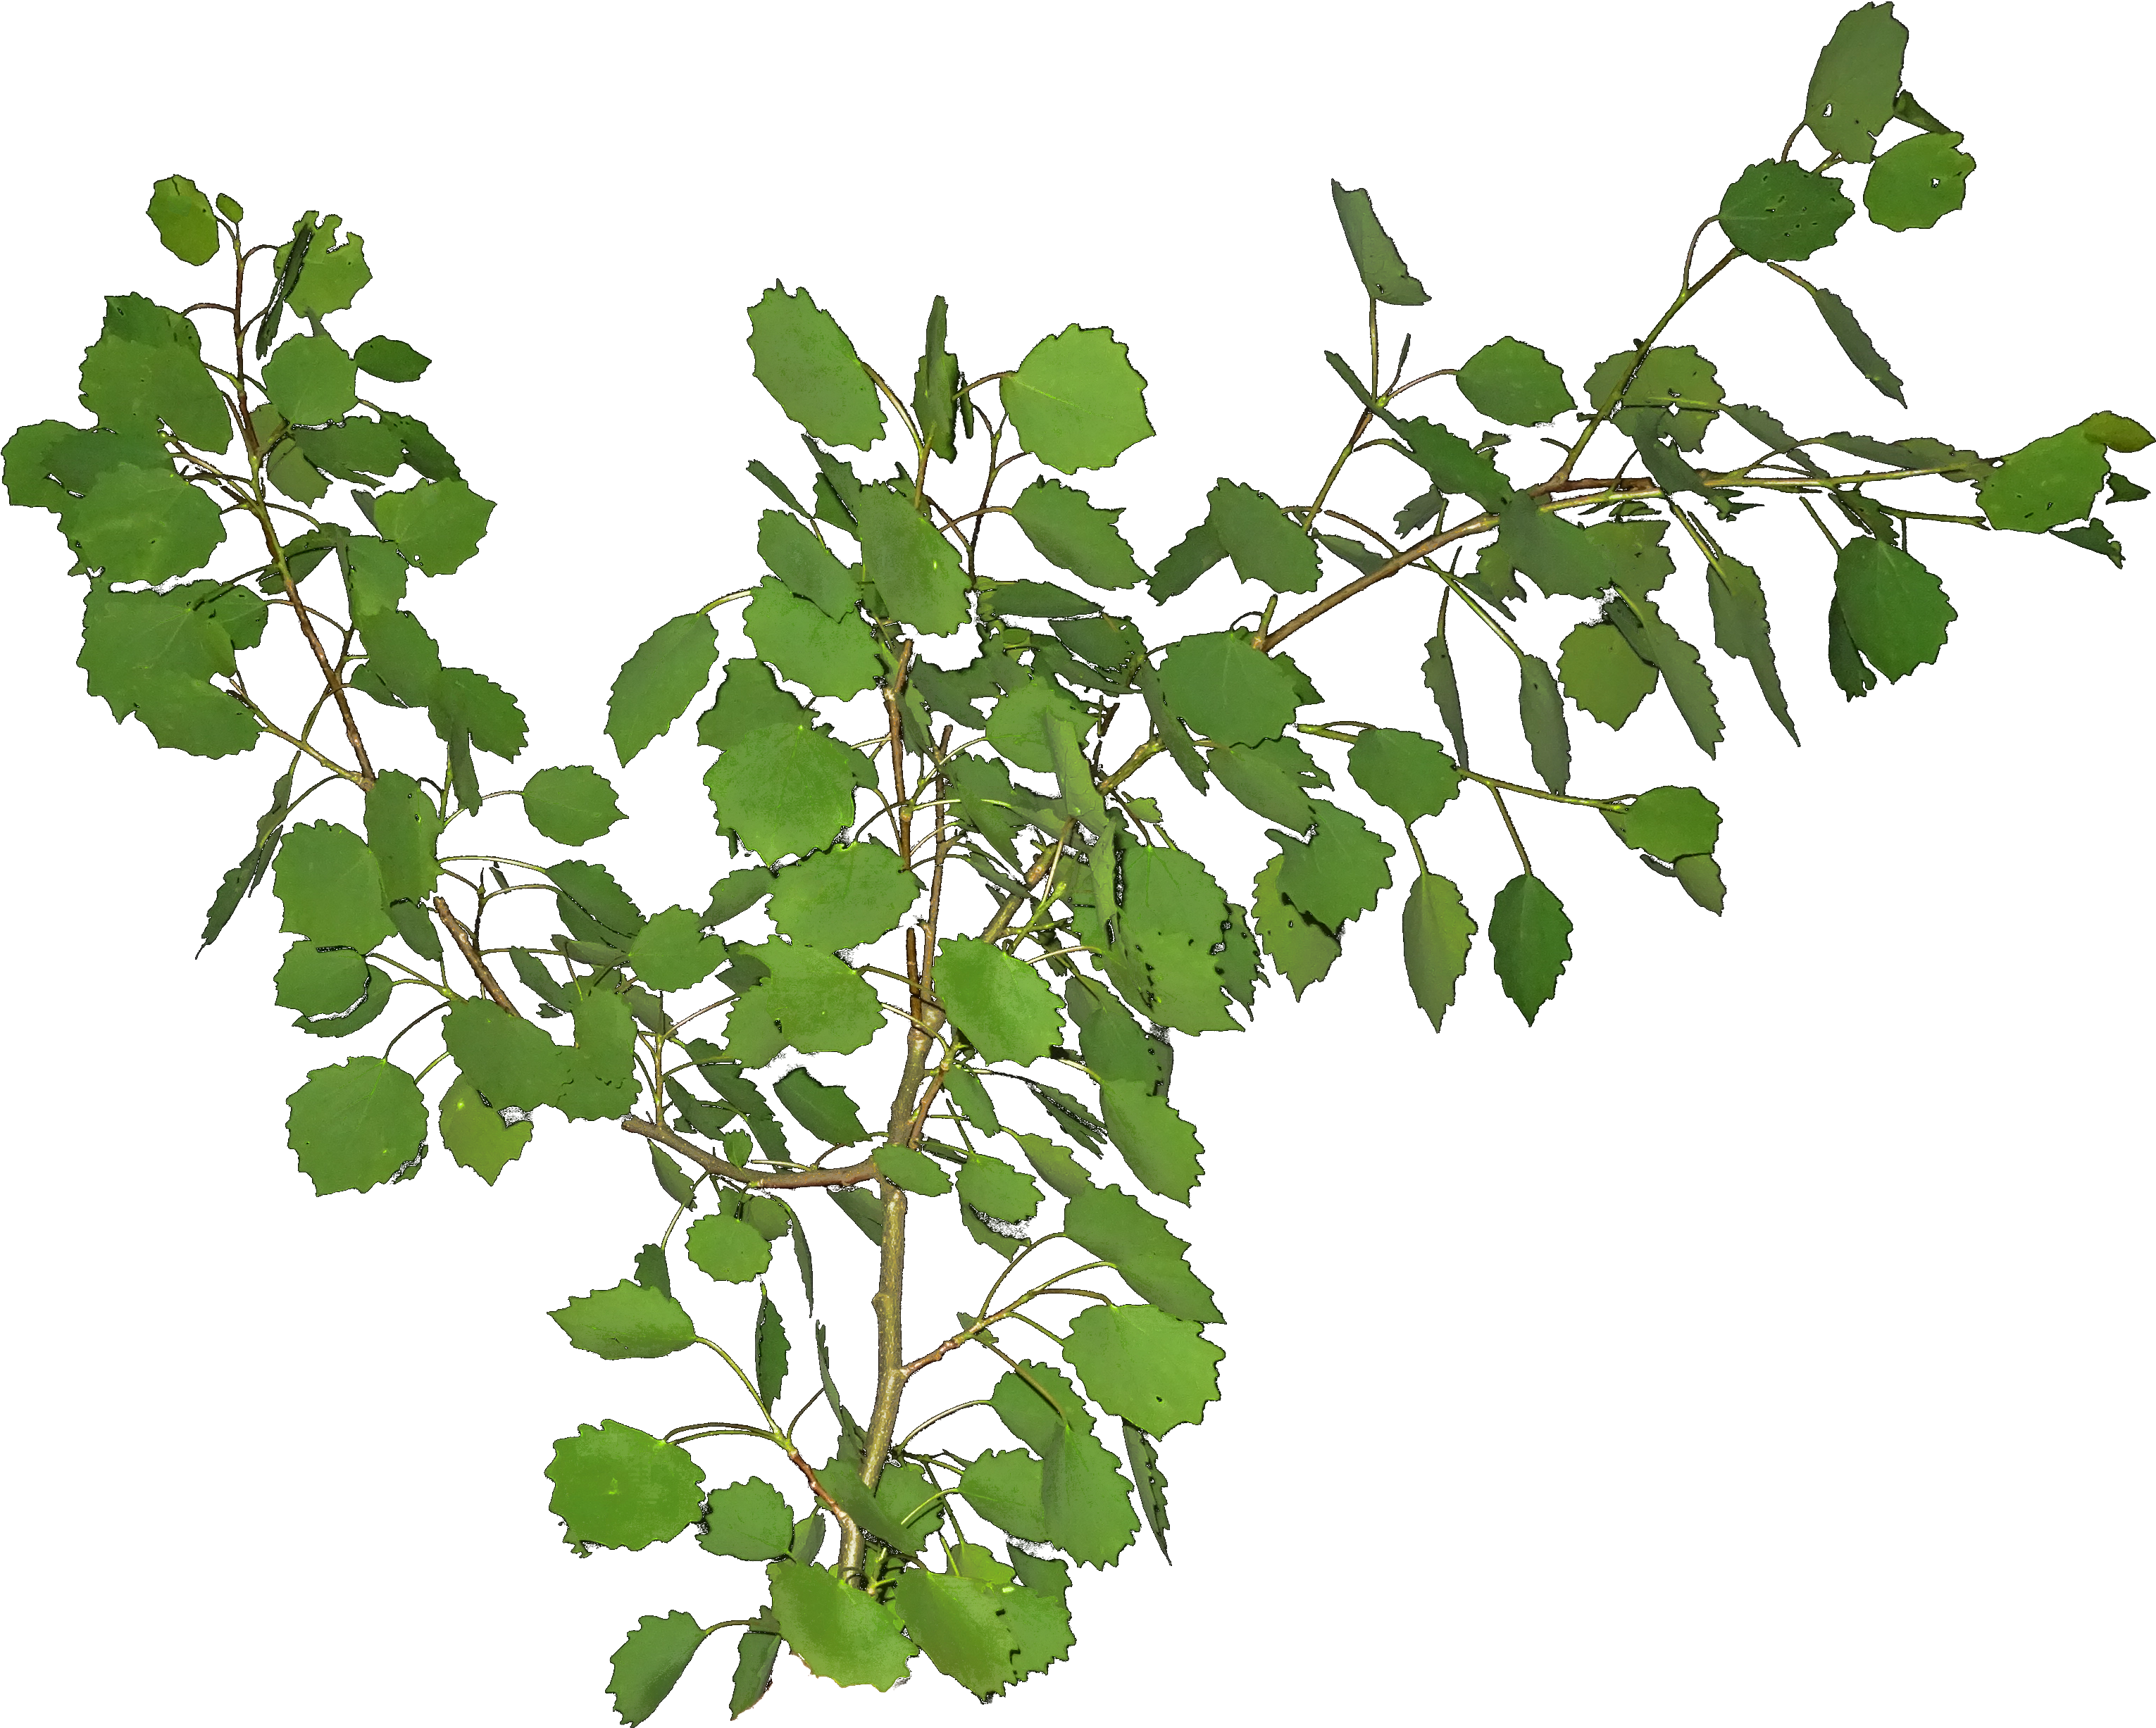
1456 465
311 380
592 905
1016 725
842 898
362 1013
185 221
402 823
1855 84
1034 1400
650 1661
1404 772
618 1487
1603 676
1531 941
1074 534
423 450
750 1520
913 1170
1670 822
1857 345
827 1112
1377 260
142 525
1111 1041
355 1125
1002 1005
1190 557
985 1633
757 1656
387 358
152 655
1159 1145
935 387
464 703
921 575
806 565
659 682
1443 683
1895 609
674 1182
733 1252
1851 674
1513 382
477 1137
1150 1479
1918 181
2093 536
1653 640
784 789
1229 691
1542 717
1436 930
1701 877
437 524
355 449
1270 778
571 805
809 366
1085 1501
1337 873
1171 731
1267 544
748 700
1297 944
319 980
999 1190
1780 211
402 653
771 1352
146 367
1075 401
1739 603
331 888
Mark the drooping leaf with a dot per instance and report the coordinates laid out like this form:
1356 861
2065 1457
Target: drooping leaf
1337 873
845 897
511 1061
771 1351
1160 1146
985 1633
437 524
1542 717
750 1520
592 905
998 1189
1152 1260
1301 948
1436 930
921 575
650 1662
1739 604
476 1136
1842 323
1701 877
1174 916
756 1656
1456 465
1896 610
817 1003
462 704
1602 674
1440 677
1530 940
401 823
629 1320
1085 1503
2092 537
1653 641
186 224
1189 558
659 682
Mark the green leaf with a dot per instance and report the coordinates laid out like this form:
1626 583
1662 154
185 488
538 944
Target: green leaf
142 525
1074 534
2094 538
511 1061
475 1133
1857 80
1112 1043
437 524
771 1351
830 656
999 1003
402 653
1015 724
146 366
827 1112
845 897
356 1016
1456 465
758 1655
1302 949
1563 557
1436 930
423 450
1175 917
571 805
963 1087
650 1661
592 905
748 700
1404 772
1653 641
618 1487
985 1633
1265 544
660 680
331 888
1190 557
355 1125
2043 485
1665 377
402 823
990 1185
1075 401
1603 676
935 387
1151 1481
1917 182
1034 1400
750 1520
1109 1223
1542 717
1270 778
1851 674
185 222
319 980
809 366
329 275
912 1169
1739 603
1780 211
674 1182
1229 690
1857 345
1530 940
671 951
628 1321
1377 260
1160 1146
310 380
386 358
1896 611
784 789
1514 383
606 1035
1701 877
734 1253
1056 1165
1443 683
1146 1367
463 704
1085 1503
1005 1488
921 575
1337 873
841 1633
355 449
818 1004
804 564
1670 822
152 655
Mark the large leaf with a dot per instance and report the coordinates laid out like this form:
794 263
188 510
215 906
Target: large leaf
1602 674
1670 822
511 1061
844 897
1003 1007
1338 873
805 564
809 366
151 655
817 1003
1896 610
146 366
1152 1260
142 525
311 380
1783 212
1156 1141
1074 534
1085 1503
627 1321
748 700
1530 940
1436 931
1075 401
437 524
1229 691
1005 1488
1406 772
2042 484
319 980
783 790
1175 917
1917 182
618 1487
650 1662
750 1520
986 1633
355 1125
474 1131
331 888
1146 1367
659 681
1514 382
829 656
921 575
1855 85
1377 259
1265 543
841 1633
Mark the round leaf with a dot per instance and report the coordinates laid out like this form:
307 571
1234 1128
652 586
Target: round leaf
1139 1363
1780 211
750 1520
1227 690
618 1487
570 806
1514 382
671 951
386 358
319 980
511 1061
332 889
1917 182
650 1662
1003 1005
185 221
1003 1191
143 525
1895 609
783 789
477 1137
437 524
1406 772
1075 401
311 380
357 1125
1670 823
733 1252
843 898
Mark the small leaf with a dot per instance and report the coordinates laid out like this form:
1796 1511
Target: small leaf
1160 1146
1377 259
659 682
771 1351
825 1111
650 1661
627 1321
1603 676
319 980
731 1251
1443 683
1267 544
843 898
1514 382
2093 536
1034 1400
1150 1479
1406 772
1436 931
185 221
809 366
1074 534
1302 949
475 1135
1701 877
1075 401
1002 1191
1896 610
437 524
618 1487
1857 345
1917 182
1663 378
750 1520
571 805
1002 1006
1739 603
1855 84
756 1656
913 1170
935 387
839 1632
1653 640
1783 211
461 704
386 358
355 1125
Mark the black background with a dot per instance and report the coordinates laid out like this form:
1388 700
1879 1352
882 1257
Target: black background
1734 1328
